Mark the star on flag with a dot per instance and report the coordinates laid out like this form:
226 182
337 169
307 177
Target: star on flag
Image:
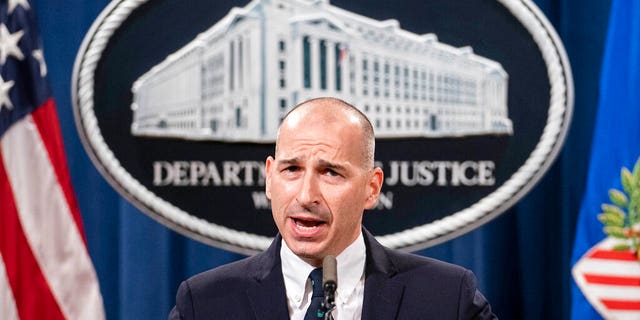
9 44
13 4
5 100
39 56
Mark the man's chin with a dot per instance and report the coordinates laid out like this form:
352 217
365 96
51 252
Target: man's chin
307 251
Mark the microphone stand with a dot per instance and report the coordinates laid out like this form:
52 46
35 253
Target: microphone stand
329 302
329 285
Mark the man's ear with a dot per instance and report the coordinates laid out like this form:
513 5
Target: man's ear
374 185
268 168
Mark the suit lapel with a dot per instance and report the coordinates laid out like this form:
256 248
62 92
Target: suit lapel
267 295
382 294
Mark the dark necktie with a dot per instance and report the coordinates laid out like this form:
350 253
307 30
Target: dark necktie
315 310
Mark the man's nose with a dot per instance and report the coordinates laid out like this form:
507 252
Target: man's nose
309 193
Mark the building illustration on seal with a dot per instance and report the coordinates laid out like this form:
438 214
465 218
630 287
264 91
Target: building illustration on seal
235 81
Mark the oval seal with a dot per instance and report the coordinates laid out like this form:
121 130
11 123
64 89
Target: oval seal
178 103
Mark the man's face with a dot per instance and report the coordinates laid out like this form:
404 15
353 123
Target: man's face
318 183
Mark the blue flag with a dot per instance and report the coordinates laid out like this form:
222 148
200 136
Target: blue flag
616 140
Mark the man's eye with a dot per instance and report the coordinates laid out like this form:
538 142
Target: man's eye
331 172
291 169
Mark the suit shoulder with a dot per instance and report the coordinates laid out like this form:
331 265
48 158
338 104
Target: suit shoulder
234 272
451 289
408 263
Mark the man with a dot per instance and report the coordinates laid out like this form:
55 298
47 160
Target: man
320 181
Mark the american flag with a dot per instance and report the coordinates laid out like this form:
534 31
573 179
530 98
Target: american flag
344 52
45 269
610 280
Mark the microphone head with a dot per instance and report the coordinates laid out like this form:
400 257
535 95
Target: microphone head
329 271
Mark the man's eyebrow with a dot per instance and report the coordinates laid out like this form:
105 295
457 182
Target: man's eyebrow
331 165
288 161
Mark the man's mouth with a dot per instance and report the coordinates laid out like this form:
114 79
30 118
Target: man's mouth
307 224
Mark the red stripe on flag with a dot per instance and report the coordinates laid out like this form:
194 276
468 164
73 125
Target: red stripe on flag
621 304
32 294
614 280
613 255
46 119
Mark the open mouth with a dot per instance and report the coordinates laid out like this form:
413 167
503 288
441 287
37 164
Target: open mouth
307 224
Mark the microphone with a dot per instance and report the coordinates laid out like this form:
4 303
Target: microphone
329 284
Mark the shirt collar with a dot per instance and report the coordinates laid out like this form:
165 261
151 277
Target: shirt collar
295 272
351 263
350 269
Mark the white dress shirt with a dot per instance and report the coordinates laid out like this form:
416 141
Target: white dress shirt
350 291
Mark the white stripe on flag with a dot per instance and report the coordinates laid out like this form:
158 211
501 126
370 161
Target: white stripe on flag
612 292
8 309
48 223
623 315
609 267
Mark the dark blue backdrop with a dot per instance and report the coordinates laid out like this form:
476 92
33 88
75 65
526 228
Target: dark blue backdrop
522 258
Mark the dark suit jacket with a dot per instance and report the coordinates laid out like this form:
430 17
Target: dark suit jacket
397 286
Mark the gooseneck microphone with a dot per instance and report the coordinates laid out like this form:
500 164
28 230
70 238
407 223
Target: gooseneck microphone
329 285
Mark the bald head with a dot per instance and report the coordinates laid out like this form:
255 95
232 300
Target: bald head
329 112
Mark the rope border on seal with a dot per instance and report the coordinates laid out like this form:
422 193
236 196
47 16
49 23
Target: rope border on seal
561 100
